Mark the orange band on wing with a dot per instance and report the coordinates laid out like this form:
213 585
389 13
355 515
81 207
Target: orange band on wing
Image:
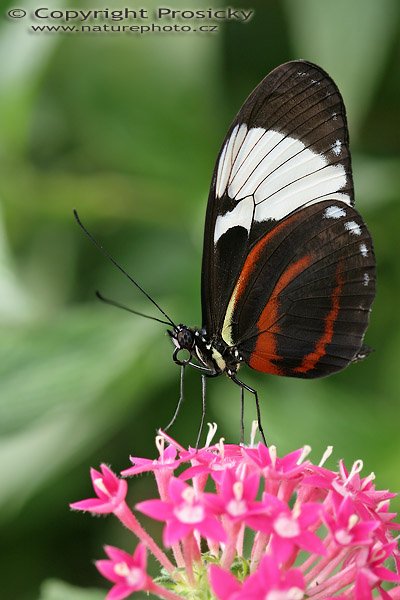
255 254
311 359
266 346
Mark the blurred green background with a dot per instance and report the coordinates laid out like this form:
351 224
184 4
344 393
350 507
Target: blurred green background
126 129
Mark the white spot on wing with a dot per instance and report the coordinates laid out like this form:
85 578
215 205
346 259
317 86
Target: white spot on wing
334 212
256 145
278 172
363 250
352 227
337 147
366 279
241 216
225 163
228 156
241 134
219 190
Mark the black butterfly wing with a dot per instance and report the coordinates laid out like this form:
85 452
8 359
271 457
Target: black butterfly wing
286 150
302 302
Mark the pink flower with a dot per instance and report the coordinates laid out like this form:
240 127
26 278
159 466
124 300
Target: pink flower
185 512
224 585
237 495
166 461
127 572
347 528
293 530
213 460
268 583
111 492
239 518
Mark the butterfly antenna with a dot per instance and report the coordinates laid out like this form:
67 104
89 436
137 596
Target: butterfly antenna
114 262
134 312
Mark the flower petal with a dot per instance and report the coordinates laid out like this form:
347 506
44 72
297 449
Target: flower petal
268 571
94 505
119 592
176 487
156 509
140 556
106 568
310 542
118 555
223 583
174 531
212 528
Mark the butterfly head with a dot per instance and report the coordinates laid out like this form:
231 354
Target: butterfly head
183 339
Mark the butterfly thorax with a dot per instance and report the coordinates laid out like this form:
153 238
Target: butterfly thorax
212 353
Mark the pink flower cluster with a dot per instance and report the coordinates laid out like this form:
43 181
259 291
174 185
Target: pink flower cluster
245 524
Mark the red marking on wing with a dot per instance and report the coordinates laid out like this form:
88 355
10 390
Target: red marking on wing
265 350
310 360
255 254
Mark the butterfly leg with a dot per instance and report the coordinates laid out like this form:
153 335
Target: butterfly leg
203 412
244 386
181 398
242 415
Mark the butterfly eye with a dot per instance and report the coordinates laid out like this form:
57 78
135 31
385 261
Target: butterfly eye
185 339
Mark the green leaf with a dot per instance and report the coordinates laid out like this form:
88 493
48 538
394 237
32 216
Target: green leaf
58 590
64 384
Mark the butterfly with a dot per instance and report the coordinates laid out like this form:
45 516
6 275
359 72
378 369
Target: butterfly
288 272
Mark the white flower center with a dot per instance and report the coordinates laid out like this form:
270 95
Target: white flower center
134 577
189 513
121 569
286 527
343 537
293 593
99 483
237 489
353 520
189 495
226 464
236 507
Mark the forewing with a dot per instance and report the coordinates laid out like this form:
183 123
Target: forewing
301 304
286 149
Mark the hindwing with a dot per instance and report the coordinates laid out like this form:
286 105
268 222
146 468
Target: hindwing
302 302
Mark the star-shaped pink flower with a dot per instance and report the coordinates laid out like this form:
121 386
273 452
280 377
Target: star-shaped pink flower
213 461
291 529
268 582
224 585
185 511
370 563
167 460
287 467
237 495
127 572
110 490
346 526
